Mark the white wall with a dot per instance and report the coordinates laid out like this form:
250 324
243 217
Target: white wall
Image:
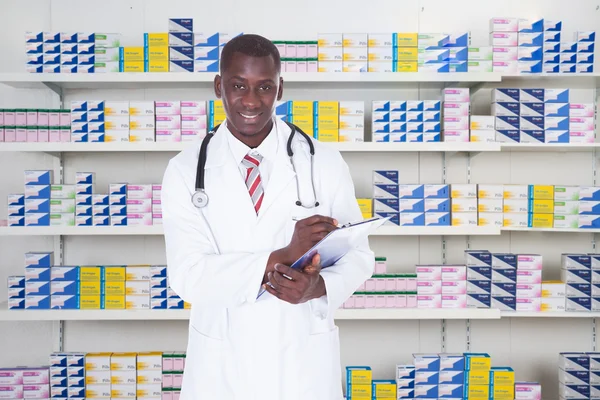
529 345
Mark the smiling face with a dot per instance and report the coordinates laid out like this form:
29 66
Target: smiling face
249 88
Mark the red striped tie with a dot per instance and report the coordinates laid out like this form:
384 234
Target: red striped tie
253 181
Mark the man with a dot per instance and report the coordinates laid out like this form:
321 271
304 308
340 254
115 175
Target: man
282 345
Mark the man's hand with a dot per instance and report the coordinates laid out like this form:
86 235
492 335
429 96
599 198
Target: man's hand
307 233
303 286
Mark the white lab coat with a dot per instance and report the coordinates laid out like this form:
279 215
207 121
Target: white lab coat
240 347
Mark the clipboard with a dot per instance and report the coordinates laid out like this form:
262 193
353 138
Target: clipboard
338 243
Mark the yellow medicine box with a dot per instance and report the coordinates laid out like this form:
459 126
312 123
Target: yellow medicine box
90 288
541 220
407 39
134 54
478 392
303 120
157 66
149 361
383 390
328 135
113 302
407 54
302 108
123 361
218 119
541 206
93 274
114 273
360 392
502 376
541 192
114 288
478 377
328 122
187 306
504 392
156 39
328 108
477 361
160 53
133 66
365 205
407 66
359 376
90 302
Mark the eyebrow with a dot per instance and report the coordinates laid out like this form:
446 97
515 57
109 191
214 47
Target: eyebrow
237 77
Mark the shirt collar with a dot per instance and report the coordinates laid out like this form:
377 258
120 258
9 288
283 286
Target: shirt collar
267 149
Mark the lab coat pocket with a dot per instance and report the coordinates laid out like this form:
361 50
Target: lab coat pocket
205 373
322 366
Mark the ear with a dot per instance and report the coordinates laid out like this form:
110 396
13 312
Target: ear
280 92
217 86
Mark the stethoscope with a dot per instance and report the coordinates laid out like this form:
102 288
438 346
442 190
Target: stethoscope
200 198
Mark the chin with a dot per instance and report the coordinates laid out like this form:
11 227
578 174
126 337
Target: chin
251 129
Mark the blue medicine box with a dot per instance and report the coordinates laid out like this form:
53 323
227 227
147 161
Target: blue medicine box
76 382
34 274
37 302
462 39
39 259
158 293
387 177
156 283
412 219
64 288
479 287
505 303
394 218
436 205
504 275
16 200
386 191
427 377
411 205
205 39
432 127
16 293
426 362
181 38
16 282
201 53
37 288
431 116
83 200
65 302
405 372
37 205
59 381
479 300
158 271
459 66
406 393
590 207
451 391
504 289
16 211
533 136
532 109
410 191
43 177
83 210
398 116
426 391
437 219
37 191
386 205
436 191
158 303
451 362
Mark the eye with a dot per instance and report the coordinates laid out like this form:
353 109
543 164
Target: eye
238 86
266 88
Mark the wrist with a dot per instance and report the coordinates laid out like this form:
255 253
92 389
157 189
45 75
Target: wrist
321 289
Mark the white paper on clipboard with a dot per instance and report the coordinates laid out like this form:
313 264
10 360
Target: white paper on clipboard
338 243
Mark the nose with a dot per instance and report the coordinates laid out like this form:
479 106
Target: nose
251 100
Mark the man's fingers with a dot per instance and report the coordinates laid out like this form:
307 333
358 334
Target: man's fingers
285 270
315 219
315 265
280 281
280 295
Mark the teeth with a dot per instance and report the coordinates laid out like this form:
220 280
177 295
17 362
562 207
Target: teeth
248 116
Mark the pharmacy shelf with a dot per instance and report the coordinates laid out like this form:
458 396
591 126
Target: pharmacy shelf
552 230
517 314
549 147
80 230
158 230
190 80
130 315
584 79
362 147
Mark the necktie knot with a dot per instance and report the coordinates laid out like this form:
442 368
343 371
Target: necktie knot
252 161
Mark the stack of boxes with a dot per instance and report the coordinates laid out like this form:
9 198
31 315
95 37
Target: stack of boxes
298 56
529 283
480 59
123 375
479 278
490 205
482 128
88 123
433 54
16 292
530 46
327 124
516 205
34 125
576 273
106 52
173 364
25 383
149 375
458 44
504 37
568 57
384 290
382 52
352 123
181 50
137 287
541 206
37 280
553 296
67 375
585 44
139 205
156 205
456 114
406 52
38 192
359 383
579 375
504 291
405 381
355 54
207 52
551 49
117 122
168 121
16 210
142 123
464 204
303 115
216 113
114 287
582 122
331 52
193 120
117 200
55 52
156 55
441 286
159 288
528 391
406 121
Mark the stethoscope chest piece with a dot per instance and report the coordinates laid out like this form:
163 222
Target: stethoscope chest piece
200 199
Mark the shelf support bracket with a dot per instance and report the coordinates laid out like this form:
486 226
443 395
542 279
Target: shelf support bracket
443 347
594 334
55 88
468 333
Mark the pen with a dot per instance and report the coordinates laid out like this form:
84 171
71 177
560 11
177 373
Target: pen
296 219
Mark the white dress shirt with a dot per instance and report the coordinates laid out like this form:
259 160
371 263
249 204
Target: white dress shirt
267 149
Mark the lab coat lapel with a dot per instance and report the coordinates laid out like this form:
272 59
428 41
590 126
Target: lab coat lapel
282 175
225 186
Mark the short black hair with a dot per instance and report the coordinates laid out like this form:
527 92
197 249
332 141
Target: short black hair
250 45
